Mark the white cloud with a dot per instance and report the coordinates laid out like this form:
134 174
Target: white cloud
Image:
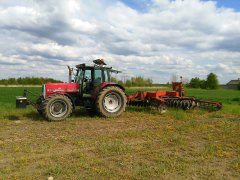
189 38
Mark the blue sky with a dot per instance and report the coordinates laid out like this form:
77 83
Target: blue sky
142 5
234 4
151 38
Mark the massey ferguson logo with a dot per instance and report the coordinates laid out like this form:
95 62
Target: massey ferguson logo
61 90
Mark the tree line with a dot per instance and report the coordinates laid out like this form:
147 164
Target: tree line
134 81
27 81
210 83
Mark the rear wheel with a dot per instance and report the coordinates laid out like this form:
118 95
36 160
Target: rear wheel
57 107
111 102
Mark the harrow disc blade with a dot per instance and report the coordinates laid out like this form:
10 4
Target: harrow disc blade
191 103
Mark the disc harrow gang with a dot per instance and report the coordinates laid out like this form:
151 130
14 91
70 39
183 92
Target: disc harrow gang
186 103
154 104
160 100
181 103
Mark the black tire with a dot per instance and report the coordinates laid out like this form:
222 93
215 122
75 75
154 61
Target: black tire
57 107
40 111
39 103
111 102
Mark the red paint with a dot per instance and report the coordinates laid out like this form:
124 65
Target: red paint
178 86
152 95
61 88
103 85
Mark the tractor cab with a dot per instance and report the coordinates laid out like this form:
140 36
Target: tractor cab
91 77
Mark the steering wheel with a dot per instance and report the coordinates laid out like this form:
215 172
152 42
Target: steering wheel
86 79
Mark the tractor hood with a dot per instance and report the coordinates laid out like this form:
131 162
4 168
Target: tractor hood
60 88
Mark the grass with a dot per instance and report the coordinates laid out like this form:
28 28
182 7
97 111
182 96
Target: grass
222 95
140 144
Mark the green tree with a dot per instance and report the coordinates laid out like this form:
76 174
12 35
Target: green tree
128 83
203 84
133 81
113 79
12 81
238 86
27 81
212 81
148 82
120 82
195 82
140 81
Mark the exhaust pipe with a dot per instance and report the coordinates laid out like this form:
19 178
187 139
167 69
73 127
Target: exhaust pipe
70 71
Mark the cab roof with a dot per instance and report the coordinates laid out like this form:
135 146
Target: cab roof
84 66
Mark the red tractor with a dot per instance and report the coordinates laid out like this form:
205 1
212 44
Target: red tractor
91 88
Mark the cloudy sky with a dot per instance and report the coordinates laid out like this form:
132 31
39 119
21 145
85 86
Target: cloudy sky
150 38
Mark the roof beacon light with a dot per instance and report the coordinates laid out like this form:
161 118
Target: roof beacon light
99 62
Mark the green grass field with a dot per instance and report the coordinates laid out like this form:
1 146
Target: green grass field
140 144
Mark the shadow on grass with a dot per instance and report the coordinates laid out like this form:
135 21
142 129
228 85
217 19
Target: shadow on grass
35 116
138 109
12 117
84 113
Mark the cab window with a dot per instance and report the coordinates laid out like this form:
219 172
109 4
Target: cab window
88 75
79 76
87 81
106 76
98 77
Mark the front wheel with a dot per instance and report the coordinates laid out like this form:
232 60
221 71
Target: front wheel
111 102
57 107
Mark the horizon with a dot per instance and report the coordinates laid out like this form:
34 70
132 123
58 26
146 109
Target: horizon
122 79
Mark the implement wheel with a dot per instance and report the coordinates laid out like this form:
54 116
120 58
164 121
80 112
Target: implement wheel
57 107
111 102
158 106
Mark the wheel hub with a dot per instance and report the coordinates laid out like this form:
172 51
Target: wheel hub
58 108
112 102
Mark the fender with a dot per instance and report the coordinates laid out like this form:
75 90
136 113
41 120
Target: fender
71 98
65 94
104 85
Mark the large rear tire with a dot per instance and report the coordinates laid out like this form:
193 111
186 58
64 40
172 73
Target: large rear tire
57 107
111 102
